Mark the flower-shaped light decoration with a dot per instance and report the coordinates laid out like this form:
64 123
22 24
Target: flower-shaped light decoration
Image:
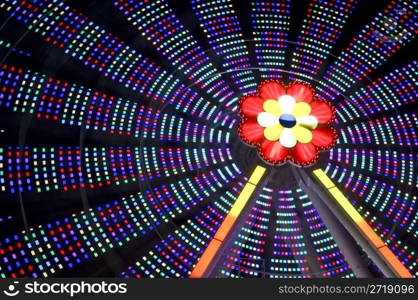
287 123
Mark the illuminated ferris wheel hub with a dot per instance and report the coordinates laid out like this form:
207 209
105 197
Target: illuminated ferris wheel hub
287 123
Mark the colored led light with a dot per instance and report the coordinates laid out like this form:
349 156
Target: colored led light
365 228
228 223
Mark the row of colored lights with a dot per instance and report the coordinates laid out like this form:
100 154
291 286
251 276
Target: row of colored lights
52 99
248 257
387 256
66 168
394 90
97 49
330 257
396 165
332 262
270 25
63 244
371 48
176 255
156 21
398 130
320 30
10 47
222 28
388 201
224 232
383 206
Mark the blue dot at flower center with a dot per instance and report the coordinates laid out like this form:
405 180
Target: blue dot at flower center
287 120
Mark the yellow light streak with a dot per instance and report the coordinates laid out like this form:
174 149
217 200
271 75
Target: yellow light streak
229 221
367 231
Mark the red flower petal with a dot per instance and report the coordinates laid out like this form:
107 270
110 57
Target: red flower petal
323 138
251 132
273 152
304 154
300 92
252 106
322 111
272 90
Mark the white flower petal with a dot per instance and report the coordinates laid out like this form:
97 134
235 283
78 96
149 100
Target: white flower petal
309 122
287 103
265 119
288 138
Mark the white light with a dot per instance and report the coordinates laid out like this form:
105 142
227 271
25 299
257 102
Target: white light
265 119
288 138
287 103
